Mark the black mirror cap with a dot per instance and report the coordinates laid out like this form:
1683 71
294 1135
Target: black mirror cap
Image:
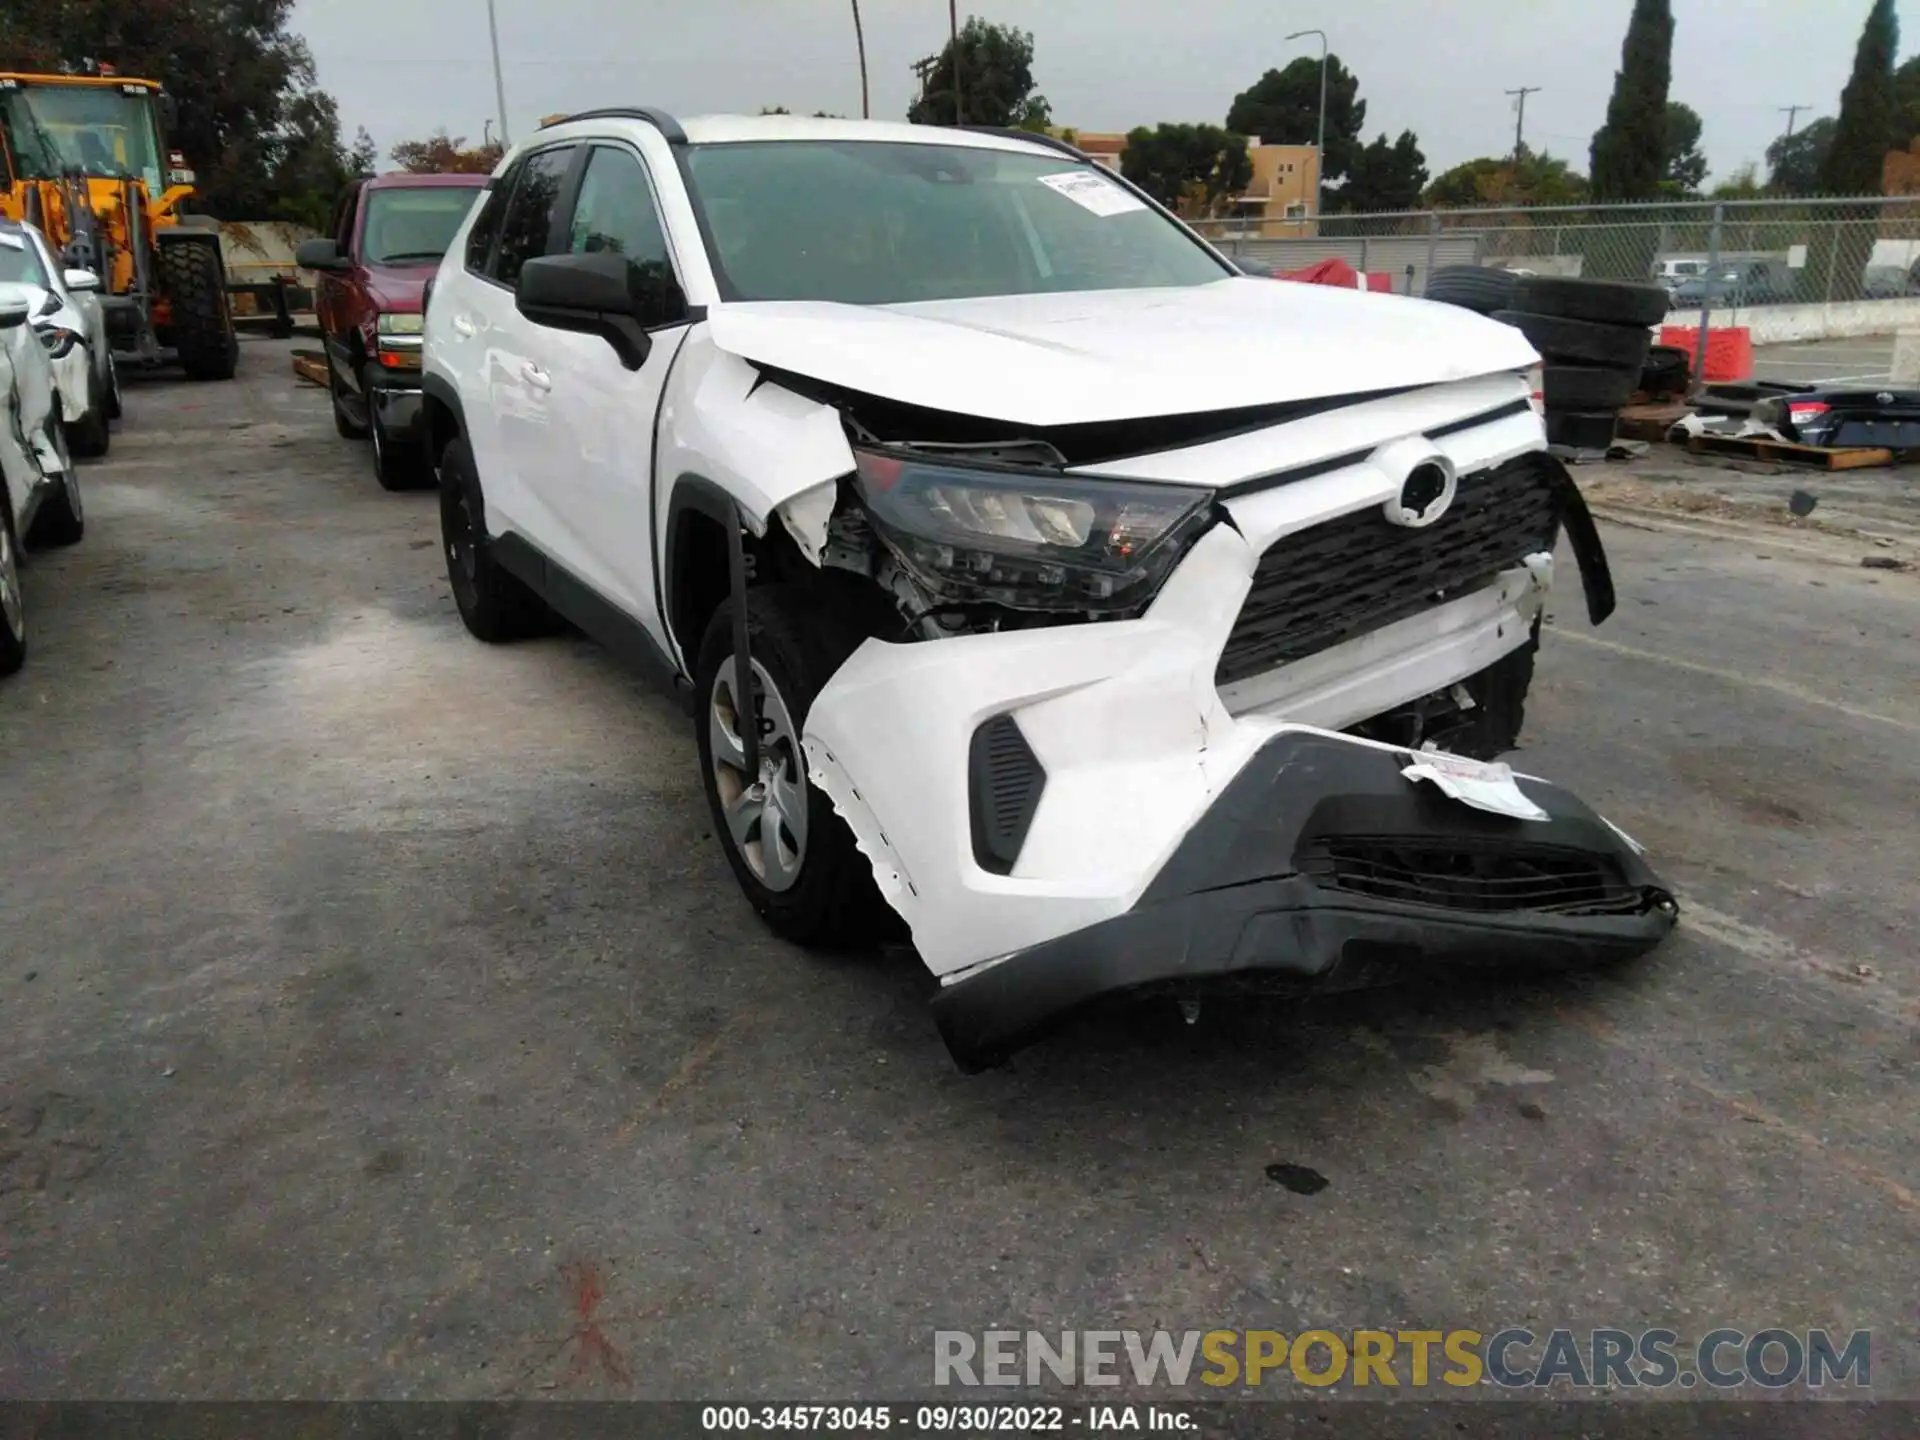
320 254
601 293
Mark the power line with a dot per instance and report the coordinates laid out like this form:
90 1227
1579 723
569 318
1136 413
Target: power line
1520 123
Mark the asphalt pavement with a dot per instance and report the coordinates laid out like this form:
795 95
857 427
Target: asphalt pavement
1863 361
381 1019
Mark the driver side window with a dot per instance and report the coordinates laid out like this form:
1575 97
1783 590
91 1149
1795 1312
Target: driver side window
616 212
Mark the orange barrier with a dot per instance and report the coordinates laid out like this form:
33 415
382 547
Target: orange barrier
1729 352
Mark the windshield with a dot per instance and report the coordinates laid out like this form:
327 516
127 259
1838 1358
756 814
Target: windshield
414 225
20 263
878 224
95 129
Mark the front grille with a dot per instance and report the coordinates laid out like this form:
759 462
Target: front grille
1356 573
1484 876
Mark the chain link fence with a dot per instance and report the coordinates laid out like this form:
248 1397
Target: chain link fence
1713 257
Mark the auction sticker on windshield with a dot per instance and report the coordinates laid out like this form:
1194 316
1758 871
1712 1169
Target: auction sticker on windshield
1093 192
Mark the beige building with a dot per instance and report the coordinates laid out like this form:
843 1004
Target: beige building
1278 201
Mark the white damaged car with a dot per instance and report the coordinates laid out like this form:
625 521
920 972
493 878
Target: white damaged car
1124 623
39 491
71 324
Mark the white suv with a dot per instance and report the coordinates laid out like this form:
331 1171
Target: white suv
1122 621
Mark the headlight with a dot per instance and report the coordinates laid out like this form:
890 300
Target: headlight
1048 542
398 325
59 342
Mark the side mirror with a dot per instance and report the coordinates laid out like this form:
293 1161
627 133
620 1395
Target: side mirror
13 314
81 282
604 294
321 254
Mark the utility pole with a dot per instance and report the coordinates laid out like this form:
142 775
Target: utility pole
499 85
1520 123
860 39
1792 113
953 27
1320 146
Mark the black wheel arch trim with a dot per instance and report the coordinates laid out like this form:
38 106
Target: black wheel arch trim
692 494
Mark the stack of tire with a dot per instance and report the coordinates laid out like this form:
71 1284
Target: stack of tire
1593 337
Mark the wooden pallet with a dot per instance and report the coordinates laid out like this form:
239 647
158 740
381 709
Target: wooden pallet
1783 452
1649 422
311 366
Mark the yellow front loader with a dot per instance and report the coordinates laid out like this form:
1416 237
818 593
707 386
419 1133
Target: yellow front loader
84 158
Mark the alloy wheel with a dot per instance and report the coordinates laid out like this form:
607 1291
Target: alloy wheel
766 812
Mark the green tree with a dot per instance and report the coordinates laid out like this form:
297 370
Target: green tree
994 86
1742 184
1906 103
1532 180
1794 161
1867 125
364 157
1282 107
262 136
1189 168
1686 165
1630 152
1385 177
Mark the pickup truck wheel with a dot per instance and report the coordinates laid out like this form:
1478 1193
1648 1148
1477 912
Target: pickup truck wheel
396 467
791 852
494 605
13 605
344 421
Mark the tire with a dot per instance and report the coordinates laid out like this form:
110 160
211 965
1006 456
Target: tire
1666 370
343 421
1580 342
814 888
395 467
495 605
196 288
1604 302
91 438
60 519
1473 287
13 605
1586 387
1580 429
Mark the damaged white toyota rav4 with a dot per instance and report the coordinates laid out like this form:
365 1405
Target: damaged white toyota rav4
1123 622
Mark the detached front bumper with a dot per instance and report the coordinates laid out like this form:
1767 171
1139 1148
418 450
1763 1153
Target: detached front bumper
1321 867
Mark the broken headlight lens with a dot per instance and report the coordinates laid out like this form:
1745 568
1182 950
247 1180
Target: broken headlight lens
59 342
1033 541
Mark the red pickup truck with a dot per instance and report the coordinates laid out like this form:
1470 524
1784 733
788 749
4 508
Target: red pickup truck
389 234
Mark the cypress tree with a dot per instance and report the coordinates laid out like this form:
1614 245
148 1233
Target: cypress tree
1630 151
1867 110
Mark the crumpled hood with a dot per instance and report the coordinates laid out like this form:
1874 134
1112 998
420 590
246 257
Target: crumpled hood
1090 356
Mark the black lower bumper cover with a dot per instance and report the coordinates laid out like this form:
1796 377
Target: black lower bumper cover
1250 901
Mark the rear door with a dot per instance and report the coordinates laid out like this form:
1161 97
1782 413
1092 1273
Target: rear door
597 483
504 381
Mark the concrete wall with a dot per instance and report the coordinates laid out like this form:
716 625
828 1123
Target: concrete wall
1785 324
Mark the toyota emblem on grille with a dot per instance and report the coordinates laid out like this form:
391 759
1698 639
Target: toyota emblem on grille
1424 495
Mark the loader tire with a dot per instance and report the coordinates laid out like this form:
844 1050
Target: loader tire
196 287
1581 342
1607 302
1478 288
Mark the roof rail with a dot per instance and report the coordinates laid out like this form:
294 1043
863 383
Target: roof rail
668 127
1007 132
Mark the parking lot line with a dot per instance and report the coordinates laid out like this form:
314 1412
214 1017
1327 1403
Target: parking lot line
1735 677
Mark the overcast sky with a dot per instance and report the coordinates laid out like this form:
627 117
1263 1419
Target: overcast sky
403 68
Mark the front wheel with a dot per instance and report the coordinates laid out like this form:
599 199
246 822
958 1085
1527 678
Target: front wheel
90 436
13 604
396 467
791 852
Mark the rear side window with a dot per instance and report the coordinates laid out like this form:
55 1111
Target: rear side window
486 225
528 223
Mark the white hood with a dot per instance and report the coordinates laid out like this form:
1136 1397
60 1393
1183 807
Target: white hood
1068 359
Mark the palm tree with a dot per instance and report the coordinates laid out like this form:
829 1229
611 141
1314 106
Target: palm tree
860 38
